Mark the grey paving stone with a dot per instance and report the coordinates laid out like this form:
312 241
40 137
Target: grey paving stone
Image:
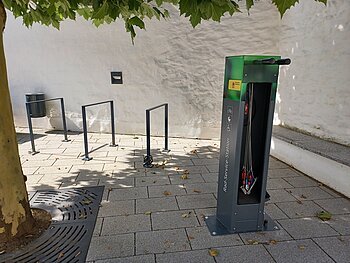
213 168
205 161
210 177
298 209
340 223
196 256
135 259
277 183
265 237
276 164
98 226
152 180
301 181
174 219
274 212
299 251
283 173
307 228
105 247
116 208
280 195
156 204
330 191
196 201
161 241
203 188
200 238
117 182
128 193
337 248
309 193
243 254
335 206
203 212
166 190
193 169
125 224
193 178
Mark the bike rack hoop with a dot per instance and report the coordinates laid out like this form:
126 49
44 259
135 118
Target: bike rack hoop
83 109
148 159
30 126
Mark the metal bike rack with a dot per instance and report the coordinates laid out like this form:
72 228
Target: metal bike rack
148 159
30 126
83 108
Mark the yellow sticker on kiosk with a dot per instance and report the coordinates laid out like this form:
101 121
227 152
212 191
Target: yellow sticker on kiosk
234 84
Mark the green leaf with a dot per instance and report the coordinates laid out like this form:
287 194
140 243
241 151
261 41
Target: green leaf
284 5
249 4
324 215
137 22
101 12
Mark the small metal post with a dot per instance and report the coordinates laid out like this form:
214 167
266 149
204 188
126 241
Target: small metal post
64 121
31 135
166 131
86 146
148 159
112 125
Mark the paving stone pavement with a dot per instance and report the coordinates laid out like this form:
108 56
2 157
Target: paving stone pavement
156 214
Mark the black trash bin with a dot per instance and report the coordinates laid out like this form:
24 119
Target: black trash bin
36 110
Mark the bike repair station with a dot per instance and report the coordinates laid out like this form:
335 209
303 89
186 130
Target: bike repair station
250 86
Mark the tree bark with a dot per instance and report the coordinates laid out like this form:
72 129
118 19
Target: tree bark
15 216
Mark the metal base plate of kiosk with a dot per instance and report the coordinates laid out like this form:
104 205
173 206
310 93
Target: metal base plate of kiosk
217 229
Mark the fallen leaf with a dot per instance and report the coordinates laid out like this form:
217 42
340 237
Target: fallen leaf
303 196
166 193
177 168
60 255
86 202
324 215
186 215
299 202
301 247
197 191
77 254
186 172
184 177
272 241
213 252
193 151
252 242
190 237
148 212
135 138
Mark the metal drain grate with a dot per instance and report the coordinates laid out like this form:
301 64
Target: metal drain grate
74 213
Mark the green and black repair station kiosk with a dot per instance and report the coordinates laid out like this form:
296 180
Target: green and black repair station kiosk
248 108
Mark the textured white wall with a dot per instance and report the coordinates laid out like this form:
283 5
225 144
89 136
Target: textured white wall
314 90
170 62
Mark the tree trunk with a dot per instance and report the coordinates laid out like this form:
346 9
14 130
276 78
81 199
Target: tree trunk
15 216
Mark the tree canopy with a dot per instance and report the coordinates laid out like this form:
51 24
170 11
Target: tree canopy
132 12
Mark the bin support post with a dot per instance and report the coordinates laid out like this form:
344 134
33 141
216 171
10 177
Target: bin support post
112 125
166 128
64 121
30 126
86 146
148 159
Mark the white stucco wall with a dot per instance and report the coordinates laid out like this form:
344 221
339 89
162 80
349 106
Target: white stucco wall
314 90
171 62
